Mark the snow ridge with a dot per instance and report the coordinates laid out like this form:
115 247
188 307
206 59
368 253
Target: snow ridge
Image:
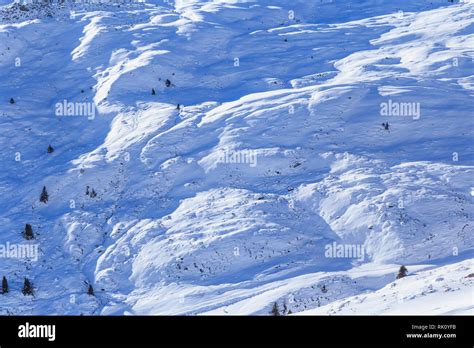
217 149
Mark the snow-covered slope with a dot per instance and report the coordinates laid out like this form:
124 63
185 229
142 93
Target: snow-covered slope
210 152
444 290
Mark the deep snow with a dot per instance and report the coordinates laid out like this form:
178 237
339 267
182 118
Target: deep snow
295 92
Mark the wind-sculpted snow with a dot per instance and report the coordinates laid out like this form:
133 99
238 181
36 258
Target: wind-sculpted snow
208 154
444 290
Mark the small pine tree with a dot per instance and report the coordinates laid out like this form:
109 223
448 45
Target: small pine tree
27 287
275 310
153 92
28 233
323 289
12 101
44 195
50 149
90 290
168 83
402 272
4 285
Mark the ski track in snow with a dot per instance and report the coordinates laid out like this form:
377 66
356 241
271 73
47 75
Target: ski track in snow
174 231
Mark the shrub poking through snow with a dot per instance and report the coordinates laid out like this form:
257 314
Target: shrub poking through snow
4 285
90 290
402 272
153 92
50 149
27 287
28 233
285 309
275 310
91 193
44 195
12 101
